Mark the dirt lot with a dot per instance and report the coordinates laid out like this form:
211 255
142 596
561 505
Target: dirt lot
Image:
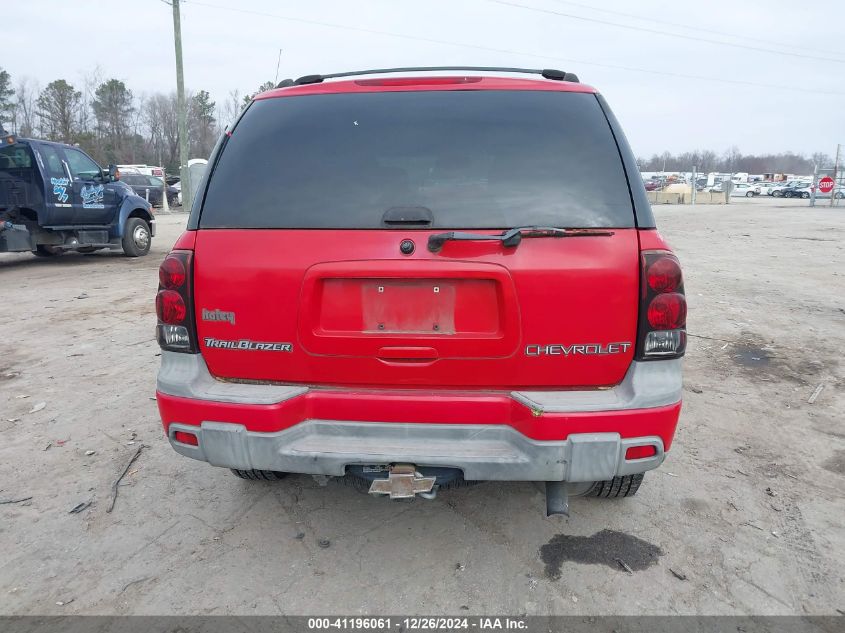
748 508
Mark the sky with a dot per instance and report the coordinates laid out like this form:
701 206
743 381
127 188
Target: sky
764 76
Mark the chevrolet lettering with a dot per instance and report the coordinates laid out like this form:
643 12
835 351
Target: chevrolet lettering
590 349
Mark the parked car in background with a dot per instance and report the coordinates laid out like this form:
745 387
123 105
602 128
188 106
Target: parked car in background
150 188
147 170
797 190
805 192
738 189
764 188
838 193
743 190
779 190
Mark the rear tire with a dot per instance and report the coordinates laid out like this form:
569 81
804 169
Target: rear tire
805 195
626 486
136 238
259 475
42 251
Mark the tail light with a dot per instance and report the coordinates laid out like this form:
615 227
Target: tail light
663 308
176 330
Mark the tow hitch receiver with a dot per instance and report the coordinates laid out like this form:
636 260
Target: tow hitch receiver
402 482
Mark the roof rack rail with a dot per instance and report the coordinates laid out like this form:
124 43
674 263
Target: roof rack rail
548 73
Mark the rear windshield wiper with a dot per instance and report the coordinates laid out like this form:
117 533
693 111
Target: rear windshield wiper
512 237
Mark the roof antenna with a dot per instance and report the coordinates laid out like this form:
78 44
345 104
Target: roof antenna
278 63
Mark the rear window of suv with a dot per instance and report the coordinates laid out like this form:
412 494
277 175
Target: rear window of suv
475 159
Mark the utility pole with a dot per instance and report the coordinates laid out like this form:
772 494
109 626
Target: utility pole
693 183
835 172
815 184
184 174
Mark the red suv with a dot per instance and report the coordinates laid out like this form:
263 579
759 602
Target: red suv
424 280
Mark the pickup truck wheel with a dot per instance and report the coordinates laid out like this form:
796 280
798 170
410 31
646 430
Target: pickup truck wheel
626 486
136 238
259 475
46 251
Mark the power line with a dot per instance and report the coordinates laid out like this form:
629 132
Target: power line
506 51
642 29
696 28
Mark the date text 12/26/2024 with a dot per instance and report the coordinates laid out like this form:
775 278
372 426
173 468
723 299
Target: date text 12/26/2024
417 623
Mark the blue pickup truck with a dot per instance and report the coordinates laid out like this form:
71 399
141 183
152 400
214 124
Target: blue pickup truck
55 198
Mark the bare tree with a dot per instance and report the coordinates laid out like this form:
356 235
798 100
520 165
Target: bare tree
732 158
230 109
822 160
90 81
26 94
149 111
160 115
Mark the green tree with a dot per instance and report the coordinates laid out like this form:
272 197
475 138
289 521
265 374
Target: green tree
267 85
58 108
113 106
201 124
7 104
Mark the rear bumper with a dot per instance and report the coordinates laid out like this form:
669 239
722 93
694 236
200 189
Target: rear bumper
534 436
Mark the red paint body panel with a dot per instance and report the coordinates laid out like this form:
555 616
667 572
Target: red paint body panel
652 240
425 83
422 407
186 241
313 289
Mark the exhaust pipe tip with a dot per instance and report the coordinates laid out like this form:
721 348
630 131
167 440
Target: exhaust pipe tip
557 499
431 494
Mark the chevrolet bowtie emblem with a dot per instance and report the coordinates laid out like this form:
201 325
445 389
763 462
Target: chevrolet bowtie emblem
403 482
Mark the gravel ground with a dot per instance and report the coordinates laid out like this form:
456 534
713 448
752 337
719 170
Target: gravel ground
745 516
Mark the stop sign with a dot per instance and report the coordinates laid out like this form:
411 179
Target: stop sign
826 184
